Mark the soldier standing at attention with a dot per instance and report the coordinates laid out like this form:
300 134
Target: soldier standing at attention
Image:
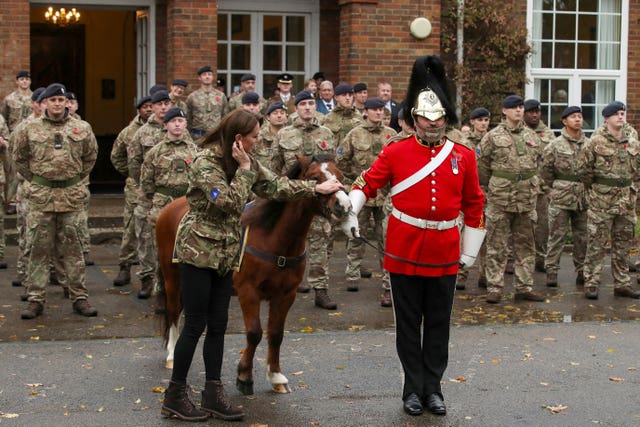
178 86
247 84
356 153
120 161
5 171
17 105
344 116
56 154
251 103
276 119
608 165
205 106
567 202
285 83
507 166
360 95
306 137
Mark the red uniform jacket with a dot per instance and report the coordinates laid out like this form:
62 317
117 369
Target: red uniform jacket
438 197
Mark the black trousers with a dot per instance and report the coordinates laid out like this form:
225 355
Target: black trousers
422 306
205 296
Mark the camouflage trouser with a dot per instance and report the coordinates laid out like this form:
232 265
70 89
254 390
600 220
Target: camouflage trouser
559 222
2 242
159 202
146 243
22 209
387 208
542 227
356 248
52 233
318 249
85 236
501 226
600 225
128 252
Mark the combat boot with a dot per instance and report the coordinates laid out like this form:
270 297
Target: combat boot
146 287
16 283
482 282
385 301
539 266
352 286
591 292
494 297
82 306
33 310
124 275
364 273
324 301
178 405
580 279
552 280
215 403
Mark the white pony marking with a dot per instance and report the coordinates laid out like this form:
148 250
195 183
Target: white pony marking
342 197
279 383
171 346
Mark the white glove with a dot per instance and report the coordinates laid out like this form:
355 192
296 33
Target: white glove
357 199
472 239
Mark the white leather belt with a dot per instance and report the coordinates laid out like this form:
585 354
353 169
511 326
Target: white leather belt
425 223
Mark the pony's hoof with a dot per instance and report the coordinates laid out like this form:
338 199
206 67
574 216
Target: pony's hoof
281 388
168 364
244 387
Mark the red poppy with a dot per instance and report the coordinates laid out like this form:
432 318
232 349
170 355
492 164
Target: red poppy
217 98
187 160
76 130
324 144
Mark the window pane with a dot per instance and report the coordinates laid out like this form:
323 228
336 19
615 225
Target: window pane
241 27
542 87
240 57
588 6
547 26
270 84
566 27
566 5
298 84
588 27
272 28
547 4
559 101
589 112
272 57
295 28
295 58
587 56
547 55
536 58
223 26
222 56
609 56
235 82
564 55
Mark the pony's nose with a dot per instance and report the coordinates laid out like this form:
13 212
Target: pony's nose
342 207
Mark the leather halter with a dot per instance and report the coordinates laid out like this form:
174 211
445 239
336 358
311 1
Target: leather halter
279 260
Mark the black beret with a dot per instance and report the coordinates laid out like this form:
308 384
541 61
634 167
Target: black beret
318 75
54 89
221 82
247 76
276 106
343 88
613 108
250 98
204 69
570 110
71 95
285 78
22 73
36 94
143 101
159 96
303 96
531 104
180 82
156 88
374 103
172 113
479 112
512 101
358 87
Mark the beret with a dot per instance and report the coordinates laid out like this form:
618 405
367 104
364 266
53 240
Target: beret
343 88
36 94
54 89
156 88
204 69
374 103
318 75
173 113
303 96
221 82
479 113
180 82
531 104
71 95
143 101
285 78
512 101
359 87
23 73
247 76
276 106
250 98
613 108
161 95
570 110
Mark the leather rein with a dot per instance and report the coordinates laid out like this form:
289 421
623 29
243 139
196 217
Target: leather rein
279 260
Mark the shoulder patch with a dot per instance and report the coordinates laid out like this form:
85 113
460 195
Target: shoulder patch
214 193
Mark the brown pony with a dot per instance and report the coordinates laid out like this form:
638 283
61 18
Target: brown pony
272 267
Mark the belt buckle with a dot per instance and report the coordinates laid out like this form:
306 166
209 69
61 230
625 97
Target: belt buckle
620 182
441 225
281 261
519 176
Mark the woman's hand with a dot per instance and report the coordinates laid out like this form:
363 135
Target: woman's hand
241 156
329 187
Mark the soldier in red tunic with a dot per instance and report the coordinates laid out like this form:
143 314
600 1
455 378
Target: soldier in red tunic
433 179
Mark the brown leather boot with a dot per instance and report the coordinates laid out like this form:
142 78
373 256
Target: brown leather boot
146 287
178 405
82 306
552 280
323 300
365 274
124 276
385 301
33 310
215 402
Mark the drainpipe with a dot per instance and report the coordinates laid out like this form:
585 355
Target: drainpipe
460 55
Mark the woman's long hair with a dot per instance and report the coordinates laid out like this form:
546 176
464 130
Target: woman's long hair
237 122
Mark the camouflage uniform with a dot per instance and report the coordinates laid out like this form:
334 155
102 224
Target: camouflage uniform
567 203
263 151
341 120
179 103
356 152
317 116
204 111
235 103
546 135
56 157
507 167
15 108
608 169
308 139
5 158
119 159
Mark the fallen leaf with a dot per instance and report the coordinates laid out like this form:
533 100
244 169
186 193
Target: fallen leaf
341 367
315 423
337 313
157 389
555 409
118 389
459 379
35 385
88 356
549 339
591 337
298 373
3 415
34 393
101 409
259 425
544 384
138 401
354 328
495 360
307 329
610 350
632 368
35 338
616 379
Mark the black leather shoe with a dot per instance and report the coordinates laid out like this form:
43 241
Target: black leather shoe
626 291
412 404
591 292
435 404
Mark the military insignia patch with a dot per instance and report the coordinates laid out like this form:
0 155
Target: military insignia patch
214 193
478 151
340 150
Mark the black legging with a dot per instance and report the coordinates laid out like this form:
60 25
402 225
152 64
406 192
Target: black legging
205 296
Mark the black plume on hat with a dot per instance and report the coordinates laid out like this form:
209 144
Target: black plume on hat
429 73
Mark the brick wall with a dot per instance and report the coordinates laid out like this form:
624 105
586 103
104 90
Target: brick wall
329 40
161 43
375 44
633 66
14 33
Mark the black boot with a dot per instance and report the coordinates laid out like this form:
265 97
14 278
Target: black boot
178 405
124 276
146 287
215 402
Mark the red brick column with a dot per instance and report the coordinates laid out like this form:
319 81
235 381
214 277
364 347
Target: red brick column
633 66
14 33
192 38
